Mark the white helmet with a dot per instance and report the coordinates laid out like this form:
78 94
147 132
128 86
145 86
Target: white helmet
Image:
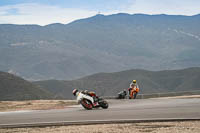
74 92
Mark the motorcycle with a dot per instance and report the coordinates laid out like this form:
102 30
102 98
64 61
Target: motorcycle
122 95
99 102
133 93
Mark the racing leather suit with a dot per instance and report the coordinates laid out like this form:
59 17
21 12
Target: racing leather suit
81 95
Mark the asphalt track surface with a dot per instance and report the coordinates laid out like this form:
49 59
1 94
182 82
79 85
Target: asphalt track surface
119 110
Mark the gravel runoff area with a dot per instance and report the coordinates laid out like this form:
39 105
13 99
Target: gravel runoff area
6 106
150 127
190 96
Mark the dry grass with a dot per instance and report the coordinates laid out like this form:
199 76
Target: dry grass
34 105
175 97
162 127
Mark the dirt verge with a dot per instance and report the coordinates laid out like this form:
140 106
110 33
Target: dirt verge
152 127
35 105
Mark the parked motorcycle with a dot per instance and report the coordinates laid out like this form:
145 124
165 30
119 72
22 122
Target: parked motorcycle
122 94
133 93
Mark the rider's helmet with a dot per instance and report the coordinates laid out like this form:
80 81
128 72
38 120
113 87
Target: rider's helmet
134 81
74 92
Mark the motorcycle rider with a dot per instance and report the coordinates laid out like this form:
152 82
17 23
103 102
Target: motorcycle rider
85 94
133 86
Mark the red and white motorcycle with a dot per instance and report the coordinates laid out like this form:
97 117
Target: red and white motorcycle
90 100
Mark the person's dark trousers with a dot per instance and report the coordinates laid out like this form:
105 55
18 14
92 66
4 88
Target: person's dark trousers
135 94
129 92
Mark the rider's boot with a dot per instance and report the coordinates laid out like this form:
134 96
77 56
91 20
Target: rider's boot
95 104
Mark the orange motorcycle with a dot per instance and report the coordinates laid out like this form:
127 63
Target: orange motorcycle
133 92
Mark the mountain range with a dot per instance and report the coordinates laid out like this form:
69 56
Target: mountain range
104 84
109 84
100 44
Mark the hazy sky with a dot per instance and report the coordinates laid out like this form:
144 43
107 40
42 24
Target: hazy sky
44 12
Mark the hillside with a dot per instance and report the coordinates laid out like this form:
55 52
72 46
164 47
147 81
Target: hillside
100 44
109 84
16 88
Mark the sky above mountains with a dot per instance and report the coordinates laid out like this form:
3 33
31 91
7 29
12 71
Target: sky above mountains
44 12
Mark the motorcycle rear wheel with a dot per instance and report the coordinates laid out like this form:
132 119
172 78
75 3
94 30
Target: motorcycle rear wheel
103 104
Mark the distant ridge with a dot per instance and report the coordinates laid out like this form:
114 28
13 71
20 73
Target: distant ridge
16 88
109 84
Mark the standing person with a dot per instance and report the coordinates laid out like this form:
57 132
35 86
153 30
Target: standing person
133 90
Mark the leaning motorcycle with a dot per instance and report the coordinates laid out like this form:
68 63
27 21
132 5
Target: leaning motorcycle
87 104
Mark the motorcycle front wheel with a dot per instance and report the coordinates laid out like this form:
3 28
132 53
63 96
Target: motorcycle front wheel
86 104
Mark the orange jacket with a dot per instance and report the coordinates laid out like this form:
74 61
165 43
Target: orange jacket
137 89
